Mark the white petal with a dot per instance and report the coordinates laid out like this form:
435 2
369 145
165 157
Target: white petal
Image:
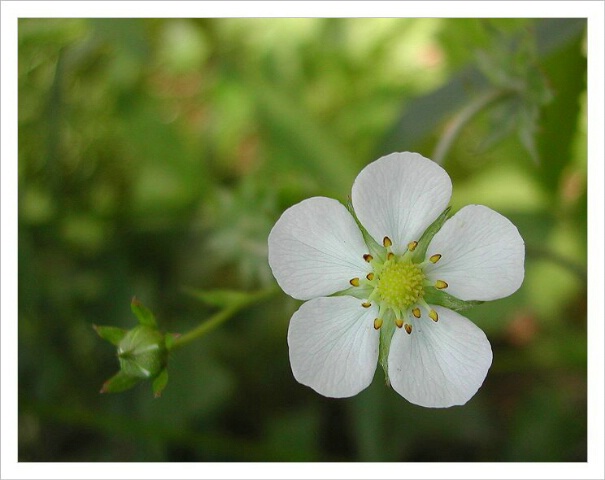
334 346
316 248
482 255
399 196
440 364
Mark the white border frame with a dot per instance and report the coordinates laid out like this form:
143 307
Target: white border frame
12 10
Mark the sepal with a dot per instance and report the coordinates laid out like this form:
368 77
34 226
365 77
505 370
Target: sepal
427 236
159 383
118 383
386 335
169 340
434 296
144 315
374 247
113 335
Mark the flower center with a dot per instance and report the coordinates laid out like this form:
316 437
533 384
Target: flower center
400 284
397 284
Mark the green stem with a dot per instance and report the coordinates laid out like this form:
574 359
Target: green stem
575 268
462 119
220 317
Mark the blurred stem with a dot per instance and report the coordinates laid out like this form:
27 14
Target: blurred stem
219 318
569 265
463 117
214 443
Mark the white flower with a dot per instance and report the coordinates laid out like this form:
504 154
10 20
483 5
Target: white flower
392 284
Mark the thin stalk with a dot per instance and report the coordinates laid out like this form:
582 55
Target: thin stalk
571 266
220 317
463 117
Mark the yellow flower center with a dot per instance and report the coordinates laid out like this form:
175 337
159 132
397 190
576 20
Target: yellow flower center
400 284
397 285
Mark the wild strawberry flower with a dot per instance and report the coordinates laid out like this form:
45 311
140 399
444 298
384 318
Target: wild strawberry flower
383 284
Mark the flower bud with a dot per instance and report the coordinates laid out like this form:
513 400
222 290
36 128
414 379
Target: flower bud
142 352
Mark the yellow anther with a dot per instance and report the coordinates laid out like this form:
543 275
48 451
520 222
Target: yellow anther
354 282
416 312
366 304
368 258
370 276
390 255
433 315
399 322
408 328
440 284
378 323
386 241
412 246
435 258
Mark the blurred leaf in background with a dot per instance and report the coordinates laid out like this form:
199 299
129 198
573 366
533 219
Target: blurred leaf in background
156 154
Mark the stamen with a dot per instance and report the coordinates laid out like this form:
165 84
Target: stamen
354 282
370 276
408 328
432 313
435 258
386 241
412 246
440 284
416 312
368 258
366 304
378 323
390 255
399 322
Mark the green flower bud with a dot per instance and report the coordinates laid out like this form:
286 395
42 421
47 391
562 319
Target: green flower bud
142 352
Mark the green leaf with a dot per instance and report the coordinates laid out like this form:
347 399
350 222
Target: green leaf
566 72
309 144
143 313
160 383
112 334
421 115
119 382
526 131
439 297
428 235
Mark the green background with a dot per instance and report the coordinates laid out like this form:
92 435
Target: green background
154 157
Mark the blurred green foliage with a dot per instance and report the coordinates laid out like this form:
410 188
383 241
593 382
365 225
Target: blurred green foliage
155 156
